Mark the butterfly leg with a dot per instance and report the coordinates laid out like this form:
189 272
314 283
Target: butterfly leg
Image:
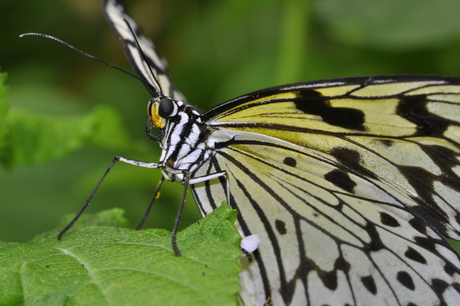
88 201
186 175
154 197
249 243
186 181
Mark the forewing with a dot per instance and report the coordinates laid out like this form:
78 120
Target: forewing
402 132
144 58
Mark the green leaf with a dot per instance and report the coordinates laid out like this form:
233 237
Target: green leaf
37 138
99 263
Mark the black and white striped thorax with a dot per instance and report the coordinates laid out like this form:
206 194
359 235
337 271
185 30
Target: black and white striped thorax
183 136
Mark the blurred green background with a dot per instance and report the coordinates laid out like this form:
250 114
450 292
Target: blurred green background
217 50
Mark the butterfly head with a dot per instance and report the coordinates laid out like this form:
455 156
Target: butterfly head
160 109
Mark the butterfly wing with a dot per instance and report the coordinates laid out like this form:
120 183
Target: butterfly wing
142 55
351 185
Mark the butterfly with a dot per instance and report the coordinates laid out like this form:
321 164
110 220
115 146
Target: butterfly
351 184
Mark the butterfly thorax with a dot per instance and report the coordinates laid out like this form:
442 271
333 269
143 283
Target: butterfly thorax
182 136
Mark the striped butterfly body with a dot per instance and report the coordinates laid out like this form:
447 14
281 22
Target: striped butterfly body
351 184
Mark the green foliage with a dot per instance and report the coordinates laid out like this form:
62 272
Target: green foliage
29 137
391 24
34 138
99 262
3 114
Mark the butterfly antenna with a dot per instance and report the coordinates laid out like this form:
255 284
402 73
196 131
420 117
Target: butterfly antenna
85 54
149 68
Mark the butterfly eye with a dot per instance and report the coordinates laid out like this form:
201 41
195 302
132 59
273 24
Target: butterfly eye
159 110
166 108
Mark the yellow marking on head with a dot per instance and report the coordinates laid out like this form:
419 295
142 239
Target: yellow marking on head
152 112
